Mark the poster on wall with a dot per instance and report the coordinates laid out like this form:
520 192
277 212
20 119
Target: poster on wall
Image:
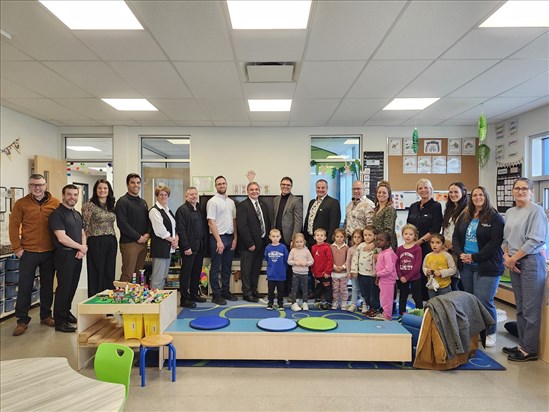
432 146
468 146
454 146
424 164
408 146
409 165
500 131
439 165
372 172
395 146
506 176
453 164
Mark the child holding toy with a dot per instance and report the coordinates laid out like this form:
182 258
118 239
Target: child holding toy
439 266
299 259
276 255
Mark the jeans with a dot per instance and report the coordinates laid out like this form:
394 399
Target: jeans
221 264
484 288
299 281
354 290
369 291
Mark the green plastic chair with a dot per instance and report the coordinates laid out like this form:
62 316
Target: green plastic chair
113 363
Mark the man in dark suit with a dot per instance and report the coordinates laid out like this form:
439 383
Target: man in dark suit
323 212
288 218
253 224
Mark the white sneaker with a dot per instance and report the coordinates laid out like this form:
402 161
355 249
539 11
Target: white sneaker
351 307
334 306
305 306
491 340
343 307
295 307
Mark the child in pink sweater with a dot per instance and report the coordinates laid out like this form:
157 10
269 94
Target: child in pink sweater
339 274
386 273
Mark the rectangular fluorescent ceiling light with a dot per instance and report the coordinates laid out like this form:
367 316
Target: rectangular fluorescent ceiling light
520 14
83 148
411 103
270 105
269 15
178 141
142 105
94 15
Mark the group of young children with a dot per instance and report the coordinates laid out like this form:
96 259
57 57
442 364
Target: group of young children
370 263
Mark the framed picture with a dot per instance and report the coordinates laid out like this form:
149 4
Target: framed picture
409 146
468 146
438 165
454 146
395 147
432 146
16 194
453 164
409 165
424 164
3 199
203 183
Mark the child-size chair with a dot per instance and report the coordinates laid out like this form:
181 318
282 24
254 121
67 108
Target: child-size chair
113 363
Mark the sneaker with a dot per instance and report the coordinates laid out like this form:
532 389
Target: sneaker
275 306
228 296
305 306
379 316
295 307
281 308
334 306
351 307
491 340
20 329
325 306
343 307
317 305
218 300
270 306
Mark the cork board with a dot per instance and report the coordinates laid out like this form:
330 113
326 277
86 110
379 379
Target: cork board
442 162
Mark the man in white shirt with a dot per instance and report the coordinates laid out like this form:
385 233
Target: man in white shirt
221 214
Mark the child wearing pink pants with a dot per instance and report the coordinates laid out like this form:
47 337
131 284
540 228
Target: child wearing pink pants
386 273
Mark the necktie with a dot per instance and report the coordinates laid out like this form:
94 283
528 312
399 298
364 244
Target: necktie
312 215
260 217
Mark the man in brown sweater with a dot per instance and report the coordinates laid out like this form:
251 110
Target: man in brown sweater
31 242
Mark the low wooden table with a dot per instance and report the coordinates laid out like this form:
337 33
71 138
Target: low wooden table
50 384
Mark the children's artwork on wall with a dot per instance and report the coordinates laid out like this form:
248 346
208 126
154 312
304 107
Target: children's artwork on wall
468 146
439 164
453 164
432 146
409 164
424 164
203 183
395 146
409 147
454 146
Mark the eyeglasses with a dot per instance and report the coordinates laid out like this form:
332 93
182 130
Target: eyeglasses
285 185
36 185
521 189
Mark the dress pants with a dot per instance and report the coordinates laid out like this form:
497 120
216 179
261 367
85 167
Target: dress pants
133 259
250 266
27 267
101 263
68 273
189 276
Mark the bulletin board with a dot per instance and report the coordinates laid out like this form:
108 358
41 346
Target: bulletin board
441 160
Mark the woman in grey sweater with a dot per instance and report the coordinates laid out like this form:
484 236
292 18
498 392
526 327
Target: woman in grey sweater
524 254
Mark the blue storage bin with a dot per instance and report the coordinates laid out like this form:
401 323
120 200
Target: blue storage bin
10 291
2 265
12 276
1 293
12 263
9 304
1 307
35 295
2 279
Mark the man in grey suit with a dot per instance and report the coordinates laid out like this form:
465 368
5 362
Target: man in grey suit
288 218
323 212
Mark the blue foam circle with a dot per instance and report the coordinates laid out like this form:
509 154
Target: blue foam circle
276 324
209 323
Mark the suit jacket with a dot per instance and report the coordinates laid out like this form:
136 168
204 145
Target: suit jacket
328 217
248 226
292 217
192 232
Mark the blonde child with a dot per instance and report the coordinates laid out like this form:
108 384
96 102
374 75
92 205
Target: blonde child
386 274
299 259
276 255
363 264
323 263
356 239
439 266
339 273
409 268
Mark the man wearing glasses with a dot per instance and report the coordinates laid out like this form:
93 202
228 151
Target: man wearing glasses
31 242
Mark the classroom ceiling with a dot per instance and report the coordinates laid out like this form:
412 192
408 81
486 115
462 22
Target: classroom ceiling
354 58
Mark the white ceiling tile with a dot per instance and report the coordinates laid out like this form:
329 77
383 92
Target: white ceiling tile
38 33
94 108
81 123
502 77
20 109
187 30
386 78
152 79
492 43
534 104
313 110
225 110
428 28
448 107
180 109
390 117
40 79
538 86
157 123
349 30
10 53
270 124
358 110
10 89
494 107
460 122
269 45
538 49
193 123
95 77
49 109
268 90
228 123
326 79
211 79
269 116
119 45
139 116
445 76
110 122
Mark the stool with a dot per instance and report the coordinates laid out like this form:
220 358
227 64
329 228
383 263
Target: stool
156 341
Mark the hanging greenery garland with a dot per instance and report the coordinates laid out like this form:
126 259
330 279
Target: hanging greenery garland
483 151
415 140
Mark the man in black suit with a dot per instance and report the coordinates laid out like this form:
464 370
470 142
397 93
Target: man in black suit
253 224
323 212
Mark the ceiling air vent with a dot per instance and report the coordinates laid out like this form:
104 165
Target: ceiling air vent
273 72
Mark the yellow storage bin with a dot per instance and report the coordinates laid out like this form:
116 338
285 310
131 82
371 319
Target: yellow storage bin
152 324
133 326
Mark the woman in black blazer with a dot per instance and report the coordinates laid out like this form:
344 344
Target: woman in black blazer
477 242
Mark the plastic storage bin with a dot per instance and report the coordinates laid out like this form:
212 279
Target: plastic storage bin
35 295
2 279
9 304
133 326
2 265
12 264
152 324
1 307
12 276
10 291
